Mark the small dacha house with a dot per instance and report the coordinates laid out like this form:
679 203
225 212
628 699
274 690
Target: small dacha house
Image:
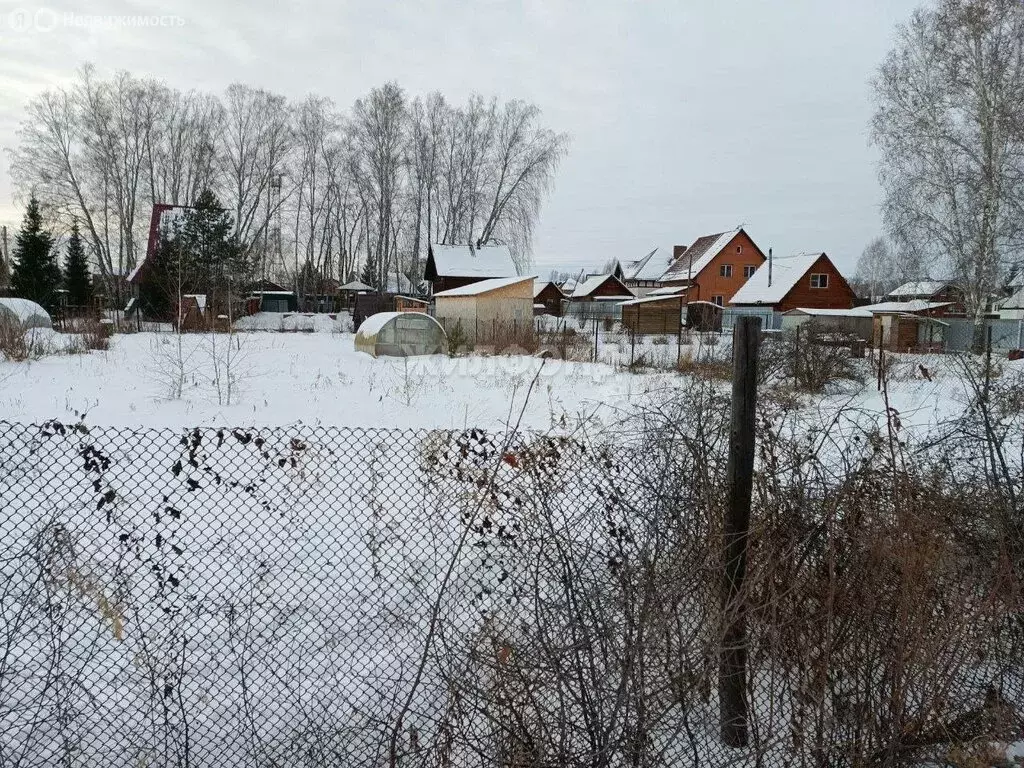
547 298
803 281
489 310
453 266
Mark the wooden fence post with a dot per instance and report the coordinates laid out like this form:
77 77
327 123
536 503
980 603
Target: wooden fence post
595 338
732 669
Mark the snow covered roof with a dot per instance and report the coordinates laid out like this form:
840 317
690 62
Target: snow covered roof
1016 301
540 285
26 312
786 272
594 282
701 253
814 312
465 261
643 269
355 285
484 286
918 288
199 297
668 290
910 307
648 299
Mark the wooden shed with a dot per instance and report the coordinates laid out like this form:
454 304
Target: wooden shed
191 314
410 304
654 314
495 310
909 326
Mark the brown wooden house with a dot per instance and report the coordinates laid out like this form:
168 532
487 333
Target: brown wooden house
453 266
716 266
804 281
547 298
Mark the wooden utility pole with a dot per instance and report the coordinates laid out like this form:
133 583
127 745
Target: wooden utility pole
732 669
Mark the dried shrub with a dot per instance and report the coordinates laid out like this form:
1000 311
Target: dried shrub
567 342
96 334
18 343
704 366
816 360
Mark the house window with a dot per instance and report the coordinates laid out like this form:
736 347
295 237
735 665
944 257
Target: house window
819 281
725 270
719 300
748 270
739 249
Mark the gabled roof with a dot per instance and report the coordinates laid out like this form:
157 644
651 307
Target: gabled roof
918 289
200 299
355 285
701 253
594 282
483 286
1016 301
785 271
540 285
487 261
642 269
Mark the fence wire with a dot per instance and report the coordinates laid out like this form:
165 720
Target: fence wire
310 596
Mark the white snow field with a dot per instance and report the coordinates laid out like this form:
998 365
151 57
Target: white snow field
319 378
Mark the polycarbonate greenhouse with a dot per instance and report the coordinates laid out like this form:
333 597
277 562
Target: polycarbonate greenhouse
401 334
25 313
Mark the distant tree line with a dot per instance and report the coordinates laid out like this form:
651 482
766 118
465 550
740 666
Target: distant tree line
313 191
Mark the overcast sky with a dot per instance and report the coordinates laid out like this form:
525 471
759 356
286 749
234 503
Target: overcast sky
684 120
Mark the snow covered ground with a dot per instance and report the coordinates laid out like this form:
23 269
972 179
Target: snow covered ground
306 377
319 378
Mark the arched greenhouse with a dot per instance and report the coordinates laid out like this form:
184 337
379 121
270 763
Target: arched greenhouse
401 334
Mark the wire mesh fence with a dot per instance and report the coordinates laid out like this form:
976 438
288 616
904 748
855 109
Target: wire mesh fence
311 596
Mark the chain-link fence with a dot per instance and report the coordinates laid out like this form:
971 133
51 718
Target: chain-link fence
309 596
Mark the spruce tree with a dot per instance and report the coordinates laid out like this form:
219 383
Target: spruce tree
77 280
36 273
211 254
370 275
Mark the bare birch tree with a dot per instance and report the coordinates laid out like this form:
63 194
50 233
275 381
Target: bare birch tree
949 126
335 191
255 142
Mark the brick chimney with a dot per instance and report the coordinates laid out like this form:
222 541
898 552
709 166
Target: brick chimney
677 251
